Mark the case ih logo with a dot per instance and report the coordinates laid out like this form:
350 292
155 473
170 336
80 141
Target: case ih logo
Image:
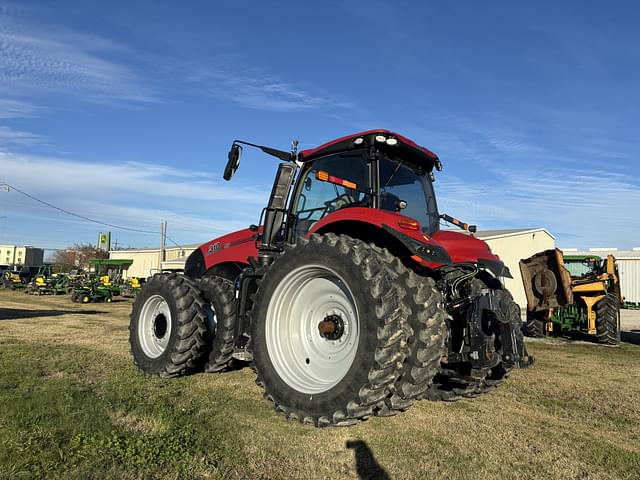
213 248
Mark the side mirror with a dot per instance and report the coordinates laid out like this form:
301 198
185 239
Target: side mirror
234 161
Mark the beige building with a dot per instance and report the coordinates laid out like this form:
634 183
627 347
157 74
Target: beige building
514 245
146 261
14 256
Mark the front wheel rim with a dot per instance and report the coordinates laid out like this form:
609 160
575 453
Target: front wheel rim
312 329
154 326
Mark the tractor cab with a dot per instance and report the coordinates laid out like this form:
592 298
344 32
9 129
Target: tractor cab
377 176
373 181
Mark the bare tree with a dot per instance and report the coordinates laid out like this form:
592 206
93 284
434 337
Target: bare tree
78 256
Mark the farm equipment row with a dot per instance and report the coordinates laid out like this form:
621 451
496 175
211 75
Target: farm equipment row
82 287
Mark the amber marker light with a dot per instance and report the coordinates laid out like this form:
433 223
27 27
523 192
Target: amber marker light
408 224
322 176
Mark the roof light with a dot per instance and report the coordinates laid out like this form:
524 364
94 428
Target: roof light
381 138
322 175
392 141
358 140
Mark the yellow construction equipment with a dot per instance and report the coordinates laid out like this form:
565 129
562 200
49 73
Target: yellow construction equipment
559 302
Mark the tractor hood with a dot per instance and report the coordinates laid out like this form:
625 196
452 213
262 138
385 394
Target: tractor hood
464 248
235 247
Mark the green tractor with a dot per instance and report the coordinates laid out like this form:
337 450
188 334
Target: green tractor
576 293
92 292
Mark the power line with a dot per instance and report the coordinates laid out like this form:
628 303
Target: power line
82 217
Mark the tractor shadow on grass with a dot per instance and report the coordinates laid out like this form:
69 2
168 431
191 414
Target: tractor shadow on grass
366 465
23 313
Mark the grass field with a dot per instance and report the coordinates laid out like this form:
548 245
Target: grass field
73 406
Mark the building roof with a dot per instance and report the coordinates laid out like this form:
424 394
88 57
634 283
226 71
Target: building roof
601 252
491 234
191 246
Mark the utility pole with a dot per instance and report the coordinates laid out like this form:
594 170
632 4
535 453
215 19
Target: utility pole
163 240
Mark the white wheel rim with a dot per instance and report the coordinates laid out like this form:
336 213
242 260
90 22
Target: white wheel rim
305 359
154 326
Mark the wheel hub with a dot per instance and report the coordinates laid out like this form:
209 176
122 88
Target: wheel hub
160 326
332 327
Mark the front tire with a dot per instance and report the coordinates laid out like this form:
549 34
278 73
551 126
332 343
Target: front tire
608 320
328 331
168 326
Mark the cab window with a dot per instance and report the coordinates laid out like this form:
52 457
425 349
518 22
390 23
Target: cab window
317 198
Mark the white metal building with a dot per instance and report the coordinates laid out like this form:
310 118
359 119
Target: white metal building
146 261
514 245
628 268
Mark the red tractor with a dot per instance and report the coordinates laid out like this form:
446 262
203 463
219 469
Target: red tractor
348 298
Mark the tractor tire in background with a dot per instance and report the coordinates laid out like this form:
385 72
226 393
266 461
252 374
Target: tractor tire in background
608 320
534 326
219 296
168 326
426 318
328 333
85 298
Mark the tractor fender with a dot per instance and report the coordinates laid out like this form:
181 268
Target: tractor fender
399 234
465 248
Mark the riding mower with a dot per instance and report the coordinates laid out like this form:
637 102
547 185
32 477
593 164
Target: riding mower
12 280
91 293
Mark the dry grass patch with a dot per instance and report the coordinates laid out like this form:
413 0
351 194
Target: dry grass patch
574 415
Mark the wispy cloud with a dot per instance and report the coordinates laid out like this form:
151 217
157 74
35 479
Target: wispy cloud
11 108
581 200
64 62
258 89
11 137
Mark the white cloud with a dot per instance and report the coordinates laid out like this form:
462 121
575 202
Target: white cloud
64 62
197 205
12 137
581 209
257 89
10 108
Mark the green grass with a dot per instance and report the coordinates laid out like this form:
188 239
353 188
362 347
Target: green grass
72 405
74 413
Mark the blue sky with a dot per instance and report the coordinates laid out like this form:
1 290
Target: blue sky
124 111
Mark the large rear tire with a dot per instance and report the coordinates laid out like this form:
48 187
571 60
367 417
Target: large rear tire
328 333
608 320
168 326
219 295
